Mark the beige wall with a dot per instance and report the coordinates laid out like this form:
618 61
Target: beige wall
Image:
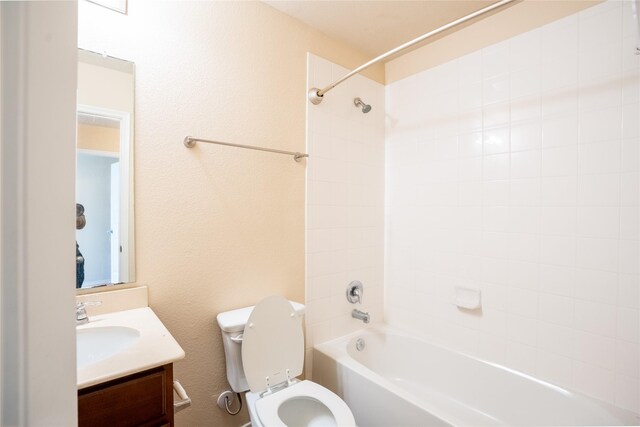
216 227
100 138
501 25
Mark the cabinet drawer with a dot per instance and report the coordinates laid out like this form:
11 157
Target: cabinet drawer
142 399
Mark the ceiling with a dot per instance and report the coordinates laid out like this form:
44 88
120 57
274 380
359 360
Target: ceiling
377 26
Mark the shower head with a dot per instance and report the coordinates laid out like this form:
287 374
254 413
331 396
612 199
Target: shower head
365 107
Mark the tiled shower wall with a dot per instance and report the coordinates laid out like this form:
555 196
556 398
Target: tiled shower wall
345 203
514 170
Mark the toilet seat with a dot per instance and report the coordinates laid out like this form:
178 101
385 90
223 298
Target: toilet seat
267 407
272 357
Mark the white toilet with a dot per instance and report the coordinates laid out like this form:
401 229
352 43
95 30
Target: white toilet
265 357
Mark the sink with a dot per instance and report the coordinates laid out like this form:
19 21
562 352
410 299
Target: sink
98 343
120 343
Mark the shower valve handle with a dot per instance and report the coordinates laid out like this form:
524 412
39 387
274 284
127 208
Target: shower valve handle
355 291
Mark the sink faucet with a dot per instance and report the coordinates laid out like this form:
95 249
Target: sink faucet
361 315
81 312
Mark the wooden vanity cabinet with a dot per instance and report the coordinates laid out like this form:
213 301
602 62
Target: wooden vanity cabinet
141 399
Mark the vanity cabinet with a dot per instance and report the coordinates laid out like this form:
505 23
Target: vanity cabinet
141 399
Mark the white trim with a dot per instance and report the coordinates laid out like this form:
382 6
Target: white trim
38 60
103 112
88 284
99 153
1 95
13 368
636 11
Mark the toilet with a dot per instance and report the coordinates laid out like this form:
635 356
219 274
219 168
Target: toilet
264 353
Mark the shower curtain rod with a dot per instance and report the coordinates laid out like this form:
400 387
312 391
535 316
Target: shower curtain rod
315 95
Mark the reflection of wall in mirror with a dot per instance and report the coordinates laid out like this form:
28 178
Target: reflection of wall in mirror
105 87
99 138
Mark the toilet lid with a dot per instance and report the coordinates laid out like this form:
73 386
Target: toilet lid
272 343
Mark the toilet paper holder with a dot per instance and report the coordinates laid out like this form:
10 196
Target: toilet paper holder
185 400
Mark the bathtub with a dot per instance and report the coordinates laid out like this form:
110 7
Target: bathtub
398 380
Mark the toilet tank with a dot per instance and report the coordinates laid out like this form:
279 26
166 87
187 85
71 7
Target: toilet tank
232 325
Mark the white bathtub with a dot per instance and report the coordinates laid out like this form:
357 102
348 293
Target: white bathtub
398 380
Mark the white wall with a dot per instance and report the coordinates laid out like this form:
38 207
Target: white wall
38 60
344 203
515 169
93 191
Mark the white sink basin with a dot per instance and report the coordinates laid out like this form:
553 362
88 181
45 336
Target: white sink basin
98 343
121 343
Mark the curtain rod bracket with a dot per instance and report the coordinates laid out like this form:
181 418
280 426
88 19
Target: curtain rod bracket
314 96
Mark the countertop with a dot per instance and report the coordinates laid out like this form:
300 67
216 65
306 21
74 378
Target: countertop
154 347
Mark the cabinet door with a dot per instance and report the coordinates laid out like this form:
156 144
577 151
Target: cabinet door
142 399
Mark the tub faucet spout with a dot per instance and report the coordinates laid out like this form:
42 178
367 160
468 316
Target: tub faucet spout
361 315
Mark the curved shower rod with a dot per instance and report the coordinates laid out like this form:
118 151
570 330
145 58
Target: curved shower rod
315 95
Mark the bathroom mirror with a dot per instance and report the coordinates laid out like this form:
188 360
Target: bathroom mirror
104 171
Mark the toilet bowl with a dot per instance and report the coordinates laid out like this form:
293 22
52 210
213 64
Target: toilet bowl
264 352
302 404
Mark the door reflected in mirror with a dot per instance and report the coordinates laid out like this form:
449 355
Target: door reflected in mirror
104 172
